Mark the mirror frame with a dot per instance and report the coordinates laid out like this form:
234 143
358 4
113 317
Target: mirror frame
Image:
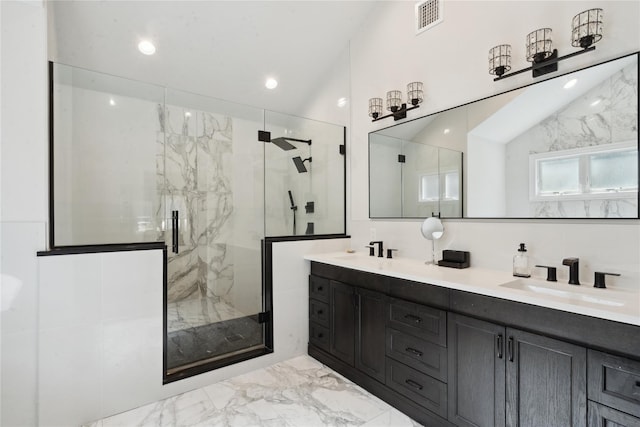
464 171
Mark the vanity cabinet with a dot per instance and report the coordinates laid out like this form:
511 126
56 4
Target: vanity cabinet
613 390
476 372
370 335
355 324
447 357
342 306
503 376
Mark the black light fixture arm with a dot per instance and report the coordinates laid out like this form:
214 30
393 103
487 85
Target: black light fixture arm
547 66
401 113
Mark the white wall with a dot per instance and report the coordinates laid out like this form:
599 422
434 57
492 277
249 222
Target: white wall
23 201
451 60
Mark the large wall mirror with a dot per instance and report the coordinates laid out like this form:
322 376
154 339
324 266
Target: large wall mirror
566 147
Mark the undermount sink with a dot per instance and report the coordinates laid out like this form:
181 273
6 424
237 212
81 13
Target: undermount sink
570 293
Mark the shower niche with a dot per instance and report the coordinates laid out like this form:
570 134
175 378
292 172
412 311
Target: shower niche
138 166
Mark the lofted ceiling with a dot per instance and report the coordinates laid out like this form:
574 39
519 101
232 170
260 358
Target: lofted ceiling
223 49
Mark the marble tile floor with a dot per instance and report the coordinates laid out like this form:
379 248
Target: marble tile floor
195 312
298 392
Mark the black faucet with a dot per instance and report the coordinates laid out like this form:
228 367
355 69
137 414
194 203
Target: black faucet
379 243
574 271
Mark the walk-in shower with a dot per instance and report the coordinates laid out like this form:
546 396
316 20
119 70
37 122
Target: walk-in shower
136 164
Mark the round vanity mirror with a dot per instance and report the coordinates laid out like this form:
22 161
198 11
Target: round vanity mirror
432 229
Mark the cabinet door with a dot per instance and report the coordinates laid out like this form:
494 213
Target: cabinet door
370 339
476 372
342 321
546 381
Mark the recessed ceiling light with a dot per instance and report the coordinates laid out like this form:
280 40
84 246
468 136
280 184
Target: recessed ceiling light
596 102
446 131
146 47
571 83
342 102
112 102
187 114
271 83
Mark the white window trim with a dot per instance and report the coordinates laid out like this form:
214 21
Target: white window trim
582 153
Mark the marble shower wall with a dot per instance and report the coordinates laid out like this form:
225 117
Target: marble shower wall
194 175
580 124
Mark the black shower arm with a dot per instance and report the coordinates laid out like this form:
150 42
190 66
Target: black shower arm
306 141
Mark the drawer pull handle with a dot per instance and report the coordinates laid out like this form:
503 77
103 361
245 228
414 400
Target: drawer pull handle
413 318
320 335
413 351
320 311
500 345
413 384
319 288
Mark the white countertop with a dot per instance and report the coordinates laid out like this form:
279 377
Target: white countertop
611 304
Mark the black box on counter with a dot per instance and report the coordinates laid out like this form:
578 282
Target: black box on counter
455 259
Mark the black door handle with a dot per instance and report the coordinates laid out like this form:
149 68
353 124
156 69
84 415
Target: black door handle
413 384
175 223
413 351
500 344
413 318
510 349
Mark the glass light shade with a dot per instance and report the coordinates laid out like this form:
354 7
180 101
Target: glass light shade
500 59
375 107
394 100
586 28
539 45
415 94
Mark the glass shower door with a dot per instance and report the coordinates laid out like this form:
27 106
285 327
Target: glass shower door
304 175
211 179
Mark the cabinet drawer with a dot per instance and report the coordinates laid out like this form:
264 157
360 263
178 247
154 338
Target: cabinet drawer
424 356
427 323
603 416
319 336
319 288
319 312
422 389
614 381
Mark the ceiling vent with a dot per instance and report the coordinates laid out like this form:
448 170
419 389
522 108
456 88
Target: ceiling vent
428 14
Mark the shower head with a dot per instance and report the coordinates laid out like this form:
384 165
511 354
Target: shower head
283 142
300 163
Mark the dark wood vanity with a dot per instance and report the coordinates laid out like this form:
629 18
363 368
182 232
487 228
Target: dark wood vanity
448 357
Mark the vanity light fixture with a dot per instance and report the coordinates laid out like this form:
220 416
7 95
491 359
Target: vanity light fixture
586 29
415 95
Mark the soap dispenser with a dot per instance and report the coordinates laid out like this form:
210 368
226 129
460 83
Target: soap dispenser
521 263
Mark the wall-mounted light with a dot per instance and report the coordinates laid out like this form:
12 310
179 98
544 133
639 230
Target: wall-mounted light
586 29
415 95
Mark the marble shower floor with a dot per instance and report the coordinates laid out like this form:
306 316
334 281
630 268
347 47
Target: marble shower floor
298 392
192 313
